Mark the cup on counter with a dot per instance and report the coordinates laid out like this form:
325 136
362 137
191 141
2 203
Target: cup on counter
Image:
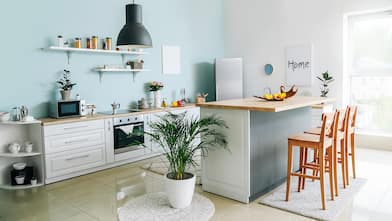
33 181
20 179
28 147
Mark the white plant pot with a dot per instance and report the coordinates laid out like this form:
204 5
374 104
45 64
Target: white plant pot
180 192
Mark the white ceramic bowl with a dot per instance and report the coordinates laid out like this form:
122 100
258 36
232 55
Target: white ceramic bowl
19 166
20 179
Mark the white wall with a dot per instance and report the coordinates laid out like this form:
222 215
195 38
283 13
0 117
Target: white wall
259 31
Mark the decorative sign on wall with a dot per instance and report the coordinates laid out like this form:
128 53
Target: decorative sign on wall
171 59
299 65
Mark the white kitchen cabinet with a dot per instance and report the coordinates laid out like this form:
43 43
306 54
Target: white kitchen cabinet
81 140
74 147
21 132
74 161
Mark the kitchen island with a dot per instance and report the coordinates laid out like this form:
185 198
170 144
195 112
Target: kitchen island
257 141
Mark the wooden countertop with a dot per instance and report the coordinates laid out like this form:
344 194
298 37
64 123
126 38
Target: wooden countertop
54 121
255 104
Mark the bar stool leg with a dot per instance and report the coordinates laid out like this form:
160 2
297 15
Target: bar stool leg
335 170
343 161
353 154
322 170
346 160
289 168
305 161
301 163
330 168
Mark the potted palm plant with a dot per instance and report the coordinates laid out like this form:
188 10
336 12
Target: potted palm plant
66 85
181 138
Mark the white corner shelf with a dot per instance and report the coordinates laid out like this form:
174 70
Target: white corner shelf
125 70
20 187
19 155
98 51
20 122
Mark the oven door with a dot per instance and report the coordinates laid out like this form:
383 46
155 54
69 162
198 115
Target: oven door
128 137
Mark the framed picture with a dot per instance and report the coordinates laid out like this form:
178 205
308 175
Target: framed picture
299 65
171 59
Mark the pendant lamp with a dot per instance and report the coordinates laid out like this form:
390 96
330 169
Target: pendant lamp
134 34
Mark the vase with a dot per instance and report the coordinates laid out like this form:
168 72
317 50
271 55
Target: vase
157 99
65 95
180 192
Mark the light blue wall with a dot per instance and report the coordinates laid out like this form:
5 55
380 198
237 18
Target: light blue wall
28 74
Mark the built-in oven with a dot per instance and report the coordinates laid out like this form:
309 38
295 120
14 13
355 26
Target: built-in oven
128 134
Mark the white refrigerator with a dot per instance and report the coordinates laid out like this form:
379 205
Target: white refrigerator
229 78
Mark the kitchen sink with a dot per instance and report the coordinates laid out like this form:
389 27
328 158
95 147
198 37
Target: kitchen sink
124 111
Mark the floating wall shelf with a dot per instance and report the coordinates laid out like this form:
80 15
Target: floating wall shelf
19 155
19 187
20 122
126 70
119 70
98 51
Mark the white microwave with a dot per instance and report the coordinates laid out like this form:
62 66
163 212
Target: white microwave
69 108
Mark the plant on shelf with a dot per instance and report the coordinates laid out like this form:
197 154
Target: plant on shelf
325 79
66 85
182 138
155 87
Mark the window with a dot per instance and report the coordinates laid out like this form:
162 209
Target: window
369 69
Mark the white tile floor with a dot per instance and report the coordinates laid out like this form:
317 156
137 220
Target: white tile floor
94 196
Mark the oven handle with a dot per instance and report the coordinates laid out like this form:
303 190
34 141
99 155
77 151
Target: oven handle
135 125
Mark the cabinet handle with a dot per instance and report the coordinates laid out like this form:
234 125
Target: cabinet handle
77 127
78 157
76 141
109 127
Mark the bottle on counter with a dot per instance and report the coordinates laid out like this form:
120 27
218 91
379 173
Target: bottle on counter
88 43
60 41
78 43
94 42
108 43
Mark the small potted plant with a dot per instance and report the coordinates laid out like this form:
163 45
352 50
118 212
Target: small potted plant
155 87
325 79
65 85
181 138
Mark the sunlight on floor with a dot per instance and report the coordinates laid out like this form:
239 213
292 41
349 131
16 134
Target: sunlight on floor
96 196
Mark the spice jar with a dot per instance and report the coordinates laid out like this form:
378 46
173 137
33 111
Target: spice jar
108 43
94 42
78 43
88 43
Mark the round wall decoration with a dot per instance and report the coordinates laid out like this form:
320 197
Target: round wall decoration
268 69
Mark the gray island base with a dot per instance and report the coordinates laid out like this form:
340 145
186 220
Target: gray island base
257 140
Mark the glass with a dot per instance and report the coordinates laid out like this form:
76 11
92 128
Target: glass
370 70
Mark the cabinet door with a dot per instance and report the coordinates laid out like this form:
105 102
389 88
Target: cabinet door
81 140
74 161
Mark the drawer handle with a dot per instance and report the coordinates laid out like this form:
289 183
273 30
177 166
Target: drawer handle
78 157
78 127
76 141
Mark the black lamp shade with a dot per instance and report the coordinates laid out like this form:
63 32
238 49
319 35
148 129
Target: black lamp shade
134 34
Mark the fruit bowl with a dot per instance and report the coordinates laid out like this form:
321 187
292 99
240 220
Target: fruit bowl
270 99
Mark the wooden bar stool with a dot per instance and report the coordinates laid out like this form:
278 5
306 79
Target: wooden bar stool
320 143
350 137
336 135
339 138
